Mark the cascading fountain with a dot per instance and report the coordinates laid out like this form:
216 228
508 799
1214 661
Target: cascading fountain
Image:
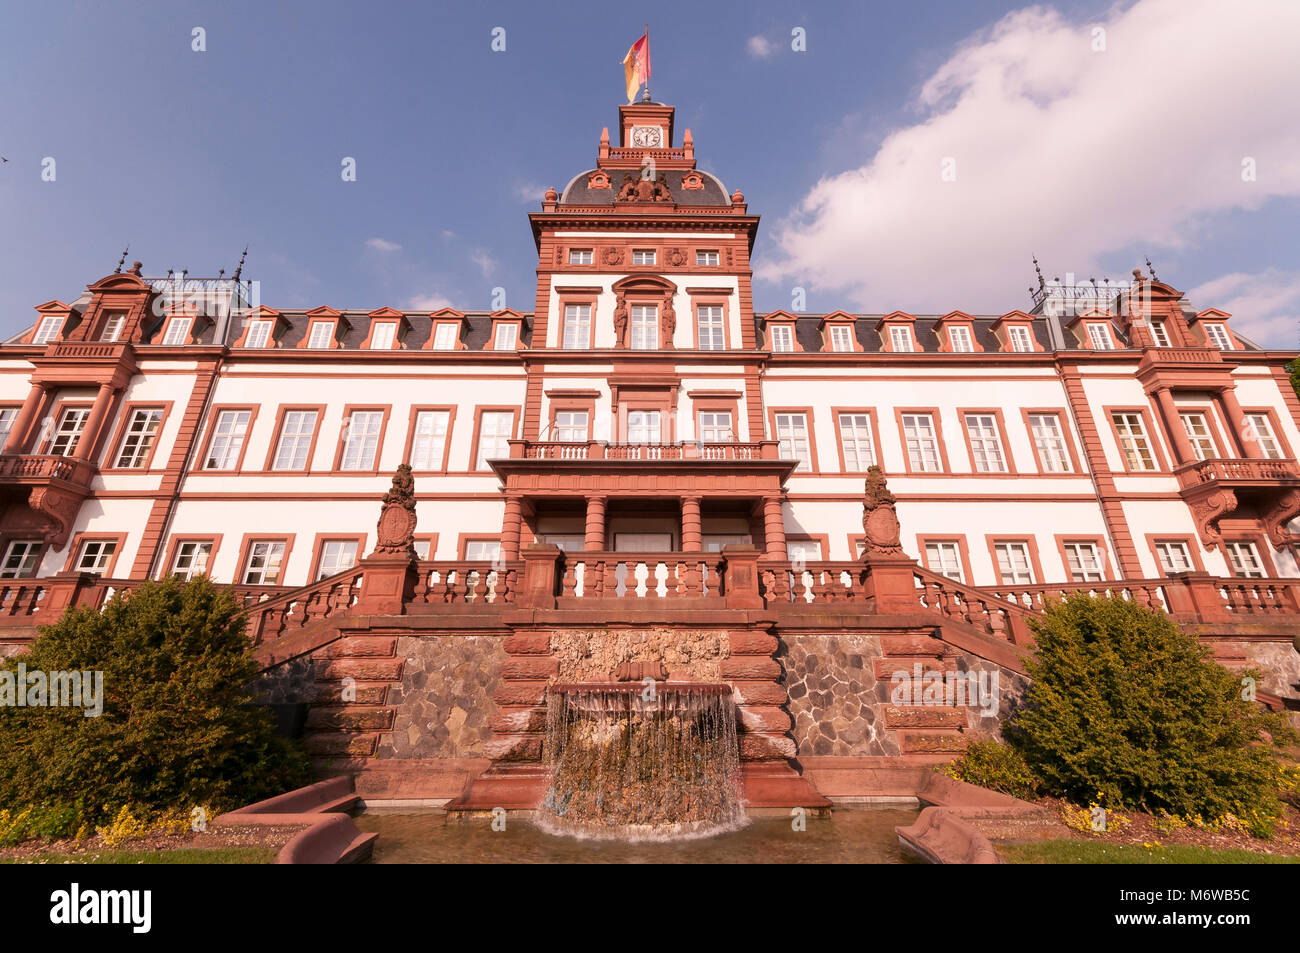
634 760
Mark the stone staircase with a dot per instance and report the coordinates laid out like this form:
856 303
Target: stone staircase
924 731
339 729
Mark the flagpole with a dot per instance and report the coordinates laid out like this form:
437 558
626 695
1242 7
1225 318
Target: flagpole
646 97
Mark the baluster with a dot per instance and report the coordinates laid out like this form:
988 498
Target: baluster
569 582
611 565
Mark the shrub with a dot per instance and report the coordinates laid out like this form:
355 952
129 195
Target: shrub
1125 707
994 765
178 728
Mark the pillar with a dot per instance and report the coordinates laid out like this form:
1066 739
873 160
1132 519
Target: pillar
692 538
774 528
1245 438
1174 427
510 527
94 423
16 442
595 529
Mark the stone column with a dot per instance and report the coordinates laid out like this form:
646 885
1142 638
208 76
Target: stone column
774 529
16 442
510 527
94 423
1174 427
595 529
1237 421
692 538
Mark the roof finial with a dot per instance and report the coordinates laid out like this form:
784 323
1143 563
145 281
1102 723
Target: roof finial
1151 268
240 267
121 261
1038 271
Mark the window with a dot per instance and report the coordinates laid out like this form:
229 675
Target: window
495 430
570 426
321 332
1133 442
1020 338
227 440
382 336
1258 427
1049 443
803 550
259 334
178 332
1244 560
68 431
792 437
429 442
1099 335
21 558
1014 565
708 320
1217 335
95 555
361 439
1198 432
1083 562
296 433
483 550
192 558
422 548
841 337
985 444
336 555
48 329
945 559
112 327
900 338
706 257
580 256
645 327
7 417
1173 556
577 327
715 427
141 431
264 560
506 337
922 445
782 336
643 426
960 339
444 337
856 442
643 256
714 542
1159 334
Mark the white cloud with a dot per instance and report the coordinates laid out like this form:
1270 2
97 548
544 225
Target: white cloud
1265 306
429 302
760 46
530 192
486 263
380 244
1060 151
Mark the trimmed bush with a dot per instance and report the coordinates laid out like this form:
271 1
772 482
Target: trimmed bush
996 766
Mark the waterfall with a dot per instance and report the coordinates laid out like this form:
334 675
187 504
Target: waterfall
630 762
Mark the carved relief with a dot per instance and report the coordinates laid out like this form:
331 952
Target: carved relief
599 180
638 189
1207 512
676 257
612 255
879 517
1282 512
395 535
59 510
692 180
620 321
667 322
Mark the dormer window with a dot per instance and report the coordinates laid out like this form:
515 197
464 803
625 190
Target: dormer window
112 327
444 337
1100 337
644 256
782 336
841 338
960 340
507 336
178 331
1159 334
319 339
259 334
382 335
581 256
1020 338
706 258
1218 337
48 329
900 338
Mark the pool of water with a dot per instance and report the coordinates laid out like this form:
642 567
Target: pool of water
861 835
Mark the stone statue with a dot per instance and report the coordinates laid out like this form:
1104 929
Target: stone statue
669 322
395 535
620 322
627 192
879 518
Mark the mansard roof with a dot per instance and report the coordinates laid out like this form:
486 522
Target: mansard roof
711 194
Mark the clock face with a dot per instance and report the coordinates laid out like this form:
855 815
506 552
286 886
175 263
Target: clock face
647 137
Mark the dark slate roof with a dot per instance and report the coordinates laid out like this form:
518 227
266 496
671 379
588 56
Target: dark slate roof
713 193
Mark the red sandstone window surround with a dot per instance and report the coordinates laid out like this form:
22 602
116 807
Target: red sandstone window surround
857 433
946 555
139 428
1015 560
711 325
1084 558
578 320
333 553
1135 438
1174 553
96 553
226 442
921 431
264 558
190 556
1264 428
491 442
428 438
987 443
898 333
792 428
1054 448
361 438
293 446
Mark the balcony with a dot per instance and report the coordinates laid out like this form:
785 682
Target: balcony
602 450
1245 488
1238 472
31 469
54 487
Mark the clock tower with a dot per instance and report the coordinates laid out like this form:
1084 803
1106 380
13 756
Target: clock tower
646 126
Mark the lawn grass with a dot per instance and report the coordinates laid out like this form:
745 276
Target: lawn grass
183 855
1099 852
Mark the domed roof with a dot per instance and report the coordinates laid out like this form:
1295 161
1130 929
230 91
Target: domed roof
711 193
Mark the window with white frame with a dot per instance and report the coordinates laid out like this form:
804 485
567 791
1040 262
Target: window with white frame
422 548
113 327
382 336
296 433
178 331
264 560
1198 433
782 337
1258 428
985 443
48 329
643 426
1133 442
922 443
644 256
645 327
495 430
945 559
444 337
803 550
227 439
856 442
960 340
580 256
429 442
841 337
336 555
321 334
793 441
1159 334
259 334
1083 562
1049 443
21 558
709 330
1174 556
67 432
1099 335
137 442
900 338
570 426
507 336
715 427
1218 337
483 550
191 558
1244 559
713 542
1020 338
7 417
361 439
706 257
95 556
577 327
1014 564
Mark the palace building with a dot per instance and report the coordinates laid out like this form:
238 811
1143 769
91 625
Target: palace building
642 437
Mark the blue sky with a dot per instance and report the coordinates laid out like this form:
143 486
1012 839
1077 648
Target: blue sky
189 155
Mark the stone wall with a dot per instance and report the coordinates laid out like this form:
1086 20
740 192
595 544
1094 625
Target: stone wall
294 681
